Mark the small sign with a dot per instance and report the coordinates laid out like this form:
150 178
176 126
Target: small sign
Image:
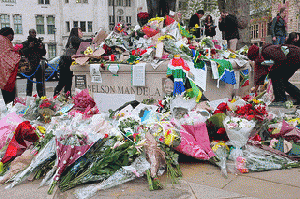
138 75
80 81
95 73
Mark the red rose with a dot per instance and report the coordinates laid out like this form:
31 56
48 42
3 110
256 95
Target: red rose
221 131
218 111
223 107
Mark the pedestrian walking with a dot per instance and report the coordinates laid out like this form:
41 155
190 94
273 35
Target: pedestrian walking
228 24
278 27
66 75
34 50
9 62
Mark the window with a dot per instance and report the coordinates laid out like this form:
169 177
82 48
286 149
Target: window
9 1
68 26
110 2
111 19
51 24
120 18
255 31
119 2
44 1
66 1
90 26
75 24
128 3
40 28
83 26
262 29
18 24
5 22
51 50
128 20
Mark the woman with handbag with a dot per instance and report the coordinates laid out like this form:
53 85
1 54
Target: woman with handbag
65 62
9 62
210 28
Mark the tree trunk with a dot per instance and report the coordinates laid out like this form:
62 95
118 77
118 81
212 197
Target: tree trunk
240 8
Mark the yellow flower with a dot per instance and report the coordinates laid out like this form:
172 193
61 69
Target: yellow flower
42 129
215 148
169 139
256 101
233 100
1 167
156 19
196 26
74 63
294 120
88 51
44 97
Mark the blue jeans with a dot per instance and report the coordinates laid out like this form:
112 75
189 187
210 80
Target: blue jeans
279 40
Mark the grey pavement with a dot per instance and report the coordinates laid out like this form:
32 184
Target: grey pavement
200 180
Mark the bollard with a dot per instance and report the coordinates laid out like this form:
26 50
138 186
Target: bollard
43 63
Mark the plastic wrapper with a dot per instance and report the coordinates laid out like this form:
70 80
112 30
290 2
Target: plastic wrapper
238 131
194 141
155 155
18 164
7 126
260 160
47 152
221 150
123 175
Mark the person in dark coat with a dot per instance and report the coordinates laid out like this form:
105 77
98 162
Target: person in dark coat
210 28
65 62
34 50
284 67
293 39
278 27
196 19
228 23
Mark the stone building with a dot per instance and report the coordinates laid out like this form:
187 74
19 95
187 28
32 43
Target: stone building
53 19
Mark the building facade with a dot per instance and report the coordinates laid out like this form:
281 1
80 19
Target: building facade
53 19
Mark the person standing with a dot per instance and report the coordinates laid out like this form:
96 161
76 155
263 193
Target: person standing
229 25
210 28
9 62
278 27
34 50
196 20
66 75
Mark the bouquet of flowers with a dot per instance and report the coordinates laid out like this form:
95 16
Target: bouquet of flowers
238 131
47 109
121 28
69 148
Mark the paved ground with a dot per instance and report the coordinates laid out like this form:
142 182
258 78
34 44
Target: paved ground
200 180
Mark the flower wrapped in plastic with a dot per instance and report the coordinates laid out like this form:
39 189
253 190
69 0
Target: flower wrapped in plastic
24 136
84 103
123 175
69 147
221 150
46 153
261 160
238 131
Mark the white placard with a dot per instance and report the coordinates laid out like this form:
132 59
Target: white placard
95 73
105 102
214 69
138 74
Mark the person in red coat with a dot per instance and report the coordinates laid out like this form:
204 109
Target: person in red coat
286 59
9 62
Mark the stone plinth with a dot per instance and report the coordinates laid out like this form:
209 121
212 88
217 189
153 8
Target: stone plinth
154 86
